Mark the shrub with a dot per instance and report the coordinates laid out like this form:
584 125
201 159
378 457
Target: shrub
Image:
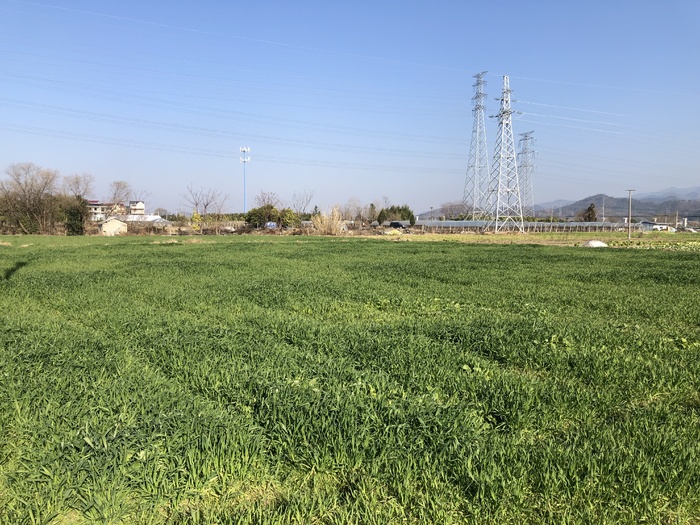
331 224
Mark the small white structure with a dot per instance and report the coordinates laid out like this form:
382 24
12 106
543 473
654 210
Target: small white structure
112 227
594 244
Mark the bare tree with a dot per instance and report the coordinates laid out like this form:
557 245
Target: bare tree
345 211
372 210
28 197
119 193
161 211
204 201
218 210
140 195
265 198
78 185
73 203
352 209
301 201
369 212
358 211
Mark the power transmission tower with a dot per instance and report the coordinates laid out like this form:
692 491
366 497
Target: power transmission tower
504 187
526 168
476 183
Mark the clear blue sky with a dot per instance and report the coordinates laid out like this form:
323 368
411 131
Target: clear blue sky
366 99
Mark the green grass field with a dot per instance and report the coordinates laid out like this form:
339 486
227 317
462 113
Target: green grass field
313 380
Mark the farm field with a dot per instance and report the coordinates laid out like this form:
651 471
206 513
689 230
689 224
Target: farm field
268 379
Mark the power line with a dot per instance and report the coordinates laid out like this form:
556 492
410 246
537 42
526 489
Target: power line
192 130
586 121
238 37
83 137
520 101
107 94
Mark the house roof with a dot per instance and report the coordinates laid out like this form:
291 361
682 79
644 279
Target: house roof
110 219
153 219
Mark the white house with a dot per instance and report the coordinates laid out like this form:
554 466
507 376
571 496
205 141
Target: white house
137 208
112 227
99 210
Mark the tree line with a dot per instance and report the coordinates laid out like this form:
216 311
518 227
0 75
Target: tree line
37 200
270 209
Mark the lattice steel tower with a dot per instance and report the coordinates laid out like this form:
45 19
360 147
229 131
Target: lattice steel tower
526 169
476 183
504 188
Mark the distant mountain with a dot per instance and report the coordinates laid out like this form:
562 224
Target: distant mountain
616 208
671 194
544 206
662 205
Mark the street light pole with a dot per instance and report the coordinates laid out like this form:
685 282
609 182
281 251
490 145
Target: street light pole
245 159
629 214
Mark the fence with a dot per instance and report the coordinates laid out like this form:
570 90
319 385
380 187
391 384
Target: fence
529 227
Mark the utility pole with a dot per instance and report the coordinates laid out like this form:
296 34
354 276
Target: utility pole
551 219
504 185
629 214
245 159
476 183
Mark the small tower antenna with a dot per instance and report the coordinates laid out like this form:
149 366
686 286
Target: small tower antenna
245 159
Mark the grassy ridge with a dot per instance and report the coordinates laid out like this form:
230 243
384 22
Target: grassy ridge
276 380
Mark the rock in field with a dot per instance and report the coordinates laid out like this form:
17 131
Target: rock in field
594 244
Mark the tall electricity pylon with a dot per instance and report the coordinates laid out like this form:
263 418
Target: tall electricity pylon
476 183
504 188
526 169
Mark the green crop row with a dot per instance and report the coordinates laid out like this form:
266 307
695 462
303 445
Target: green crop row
343 381
680 246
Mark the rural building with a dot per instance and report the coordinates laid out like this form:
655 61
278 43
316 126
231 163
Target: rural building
112 227
137 208
98 211
145 223
657 226
144 219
